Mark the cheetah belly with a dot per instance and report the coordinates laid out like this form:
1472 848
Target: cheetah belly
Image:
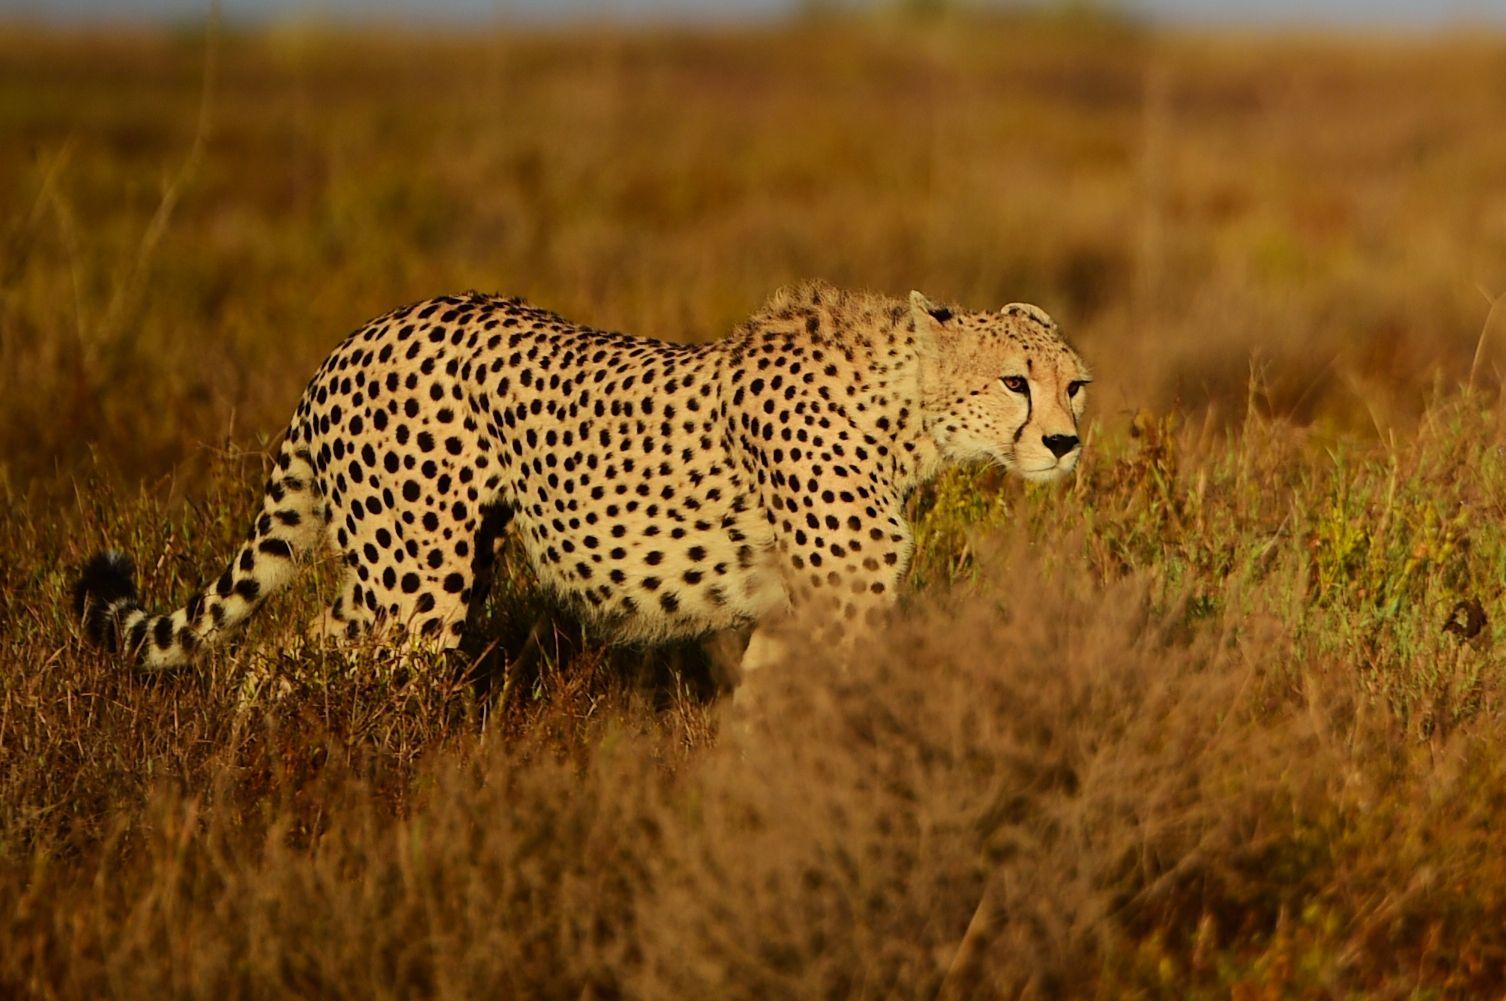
646 574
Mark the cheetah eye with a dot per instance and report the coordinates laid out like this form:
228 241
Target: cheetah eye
1016 384
1074 386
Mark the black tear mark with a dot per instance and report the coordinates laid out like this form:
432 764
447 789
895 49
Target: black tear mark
1029 409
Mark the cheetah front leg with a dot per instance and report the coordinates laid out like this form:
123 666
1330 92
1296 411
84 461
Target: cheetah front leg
842 568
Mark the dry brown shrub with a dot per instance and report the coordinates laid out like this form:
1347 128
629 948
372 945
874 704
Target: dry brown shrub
1037 784
979 800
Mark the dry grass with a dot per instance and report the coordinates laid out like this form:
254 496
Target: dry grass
1190 725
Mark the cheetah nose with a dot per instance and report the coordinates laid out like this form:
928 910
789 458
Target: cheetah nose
1060 444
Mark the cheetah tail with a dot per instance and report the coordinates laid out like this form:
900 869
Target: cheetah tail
291 519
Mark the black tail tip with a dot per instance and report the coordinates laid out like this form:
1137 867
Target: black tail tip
106 579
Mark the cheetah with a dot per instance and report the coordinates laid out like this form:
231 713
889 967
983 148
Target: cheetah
665 490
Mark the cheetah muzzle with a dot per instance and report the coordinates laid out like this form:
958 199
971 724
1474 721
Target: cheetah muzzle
664 489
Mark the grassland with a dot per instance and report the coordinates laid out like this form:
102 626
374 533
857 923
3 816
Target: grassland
1207 720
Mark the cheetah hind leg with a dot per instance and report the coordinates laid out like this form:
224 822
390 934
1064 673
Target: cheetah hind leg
421 610
398 638
346 620
338 629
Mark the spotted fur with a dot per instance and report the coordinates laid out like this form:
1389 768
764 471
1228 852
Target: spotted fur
664 489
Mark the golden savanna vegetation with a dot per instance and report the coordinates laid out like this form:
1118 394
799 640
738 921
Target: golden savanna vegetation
1222 715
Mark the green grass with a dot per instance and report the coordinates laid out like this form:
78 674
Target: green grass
1191 724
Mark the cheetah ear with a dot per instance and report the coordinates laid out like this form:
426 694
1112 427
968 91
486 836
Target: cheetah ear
1035 313
926 313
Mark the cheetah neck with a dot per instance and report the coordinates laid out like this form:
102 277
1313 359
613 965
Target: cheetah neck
925 462
918 455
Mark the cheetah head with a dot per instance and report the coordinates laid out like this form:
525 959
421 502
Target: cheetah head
1001 387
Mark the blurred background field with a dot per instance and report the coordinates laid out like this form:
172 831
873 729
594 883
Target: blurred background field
1184 202
1280 251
